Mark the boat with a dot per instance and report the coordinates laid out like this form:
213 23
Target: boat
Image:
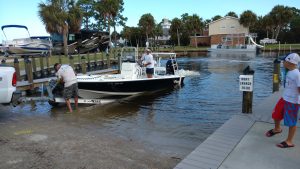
132 79
251 47
26 46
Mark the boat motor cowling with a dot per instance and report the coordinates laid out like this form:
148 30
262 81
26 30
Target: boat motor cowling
171 66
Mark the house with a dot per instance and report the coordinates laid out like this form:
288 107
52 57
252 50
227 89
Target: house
227 31
165 25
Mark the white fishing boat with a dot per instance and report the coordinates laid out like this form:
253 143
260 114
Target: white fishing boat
25 46
132 79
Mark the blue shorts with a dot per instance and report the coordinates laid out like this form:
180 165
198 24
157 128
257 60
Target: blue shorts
290 114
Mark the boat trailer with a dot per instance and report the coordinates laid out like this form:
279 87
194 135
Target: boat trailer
55 96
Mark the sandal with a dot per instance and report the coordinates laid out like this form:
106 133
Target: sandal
271 133
284 145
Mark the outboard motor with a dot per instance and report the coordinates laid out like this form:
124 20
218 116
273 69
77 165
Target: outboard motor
171 66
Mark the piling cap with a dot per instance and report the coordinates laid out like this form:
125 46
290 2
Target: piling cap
292 58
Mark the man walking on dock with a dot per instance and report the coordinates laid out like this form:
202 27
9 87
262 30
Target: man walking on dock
66 75
287 107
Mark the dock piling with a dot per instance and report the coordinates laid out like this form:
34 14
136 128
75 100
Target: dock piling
247 95
276 75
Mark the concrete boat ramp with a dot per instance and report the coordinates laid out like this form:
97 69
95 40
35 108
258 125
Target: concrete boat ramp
241 144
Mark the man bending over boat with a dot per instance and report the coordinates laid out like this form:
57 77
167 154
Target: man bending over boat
66 75
149 63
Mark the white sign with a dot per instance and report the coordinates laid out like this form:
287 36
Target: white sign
246 83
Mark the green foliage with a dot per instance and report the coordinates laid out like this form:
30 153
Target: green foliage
232 14
147 24
60 17
248 18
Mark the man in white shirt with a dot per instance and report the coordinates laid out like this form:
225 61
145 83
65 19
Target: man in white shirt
149 63
66 74
287 107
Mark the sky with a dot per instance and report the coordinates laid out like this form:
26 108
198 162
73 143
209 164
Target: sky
25 12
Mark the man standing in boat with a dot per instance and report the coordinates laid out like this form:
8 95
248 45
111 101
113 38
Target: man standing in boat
66 75
148 62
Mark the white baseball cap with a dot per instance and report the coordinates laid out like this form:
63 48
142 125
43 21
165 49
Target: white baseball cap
293 58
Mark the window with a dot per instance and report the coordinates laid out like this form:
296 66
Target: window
71 37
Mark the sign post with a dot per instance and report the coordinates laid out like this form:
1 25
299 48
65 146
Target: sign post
246 85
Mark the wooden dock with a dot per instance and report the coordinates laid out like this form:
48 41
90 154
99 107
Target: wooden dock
241 143
26 85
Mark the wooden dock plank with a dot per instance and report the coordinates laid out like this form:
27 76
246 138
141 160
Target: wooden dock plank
212 152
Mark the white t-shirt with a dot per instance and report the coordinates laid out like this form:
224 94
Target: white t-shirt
67 73
148 59
291 93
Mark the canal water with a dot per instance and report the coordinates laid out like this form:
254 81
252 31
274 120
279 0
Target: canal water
178 120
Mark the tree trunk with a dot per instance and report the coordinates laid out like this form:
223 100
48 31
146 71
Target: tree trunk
147 38
115 33
178 38
277 31
65 39
196 40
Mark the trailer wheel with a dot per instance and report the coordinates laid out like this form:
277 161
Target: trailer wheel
52 103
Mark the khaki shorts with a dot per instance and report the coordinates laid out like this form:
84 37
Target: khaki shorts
71 91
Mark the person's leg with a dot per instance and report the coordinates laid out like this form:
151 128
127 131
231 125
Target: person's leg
290 120
76 102
277 116
292 131
67 95
69 105
277 126
75 94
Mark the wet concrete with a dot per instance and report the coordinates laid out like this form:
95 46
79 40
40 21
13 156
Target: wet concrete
63 140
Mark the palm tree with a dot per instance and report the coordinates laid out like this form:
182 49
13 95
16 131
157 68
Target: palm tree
87 11
232 14
194 25
281 16
176 25
216 17
108 10
248 19
147 24
268 25
60 16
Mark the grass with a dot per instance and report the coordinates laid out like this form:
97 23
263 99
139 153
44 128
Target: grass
282 47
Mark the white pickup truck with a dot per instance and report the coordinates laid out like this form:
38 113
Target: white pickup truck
8 82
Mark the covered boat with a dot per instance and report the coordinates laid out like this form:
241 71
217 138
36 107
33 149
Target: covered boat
26 46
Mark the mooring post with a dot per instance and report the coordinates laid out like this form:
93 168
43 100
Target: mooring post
102 59
107 60
29 72
47 64
71 60
83 65
17 68
95 60
59 58
88 62
42 66
34 67
246 85
119 62
276 75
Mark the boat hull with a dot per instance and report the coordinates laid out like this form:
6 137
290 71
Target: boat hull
103 89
